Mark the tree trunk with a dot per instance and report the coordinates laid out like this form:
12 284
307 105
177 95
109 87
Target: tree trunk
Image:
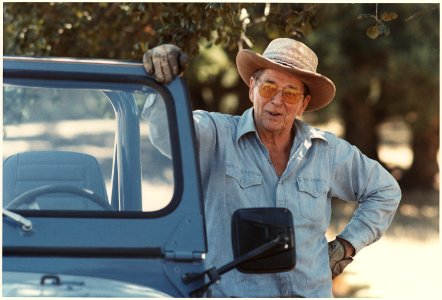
424 169
360 125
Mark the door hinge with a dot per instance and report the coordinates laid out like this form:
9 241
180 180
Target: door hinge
185 256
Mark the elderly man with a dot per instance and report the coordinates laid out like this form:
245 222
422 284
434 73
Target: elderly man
269 158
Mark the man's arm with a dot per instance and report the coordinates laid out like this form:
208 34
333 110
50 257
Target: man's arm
360 179
155 114
165 62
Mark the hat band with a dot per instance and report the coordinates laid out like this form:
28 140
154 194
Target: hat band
291 65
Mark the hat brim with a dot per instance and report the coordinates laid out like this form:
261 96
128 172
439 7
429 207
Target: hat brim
322 89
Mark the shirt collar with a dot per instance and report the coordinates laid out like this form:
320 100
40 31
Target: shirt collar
246 124
303 131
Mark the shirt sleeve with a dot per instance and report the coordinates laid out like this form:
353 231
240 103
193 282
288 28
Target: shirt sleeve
205 130
363 180
155 114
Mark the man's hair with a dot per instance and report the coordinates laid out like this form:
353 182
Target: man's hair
257 76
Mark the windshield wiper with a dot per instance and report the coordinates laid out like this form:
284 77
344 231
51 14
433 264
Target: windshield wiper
26 225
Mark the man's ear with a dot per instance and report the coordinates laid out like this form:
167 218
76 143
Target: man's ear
251 85
305 103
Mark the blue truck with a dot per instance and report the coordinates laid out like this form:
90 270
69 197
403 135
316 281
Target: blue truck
92 209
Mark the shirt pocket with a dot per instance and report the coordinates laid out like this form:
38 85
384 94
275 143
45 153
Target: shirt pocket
243 187
312 198
245 178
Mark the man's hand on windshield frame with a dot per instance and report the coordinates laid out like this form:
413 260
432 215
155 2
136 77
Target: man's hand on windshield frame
165 62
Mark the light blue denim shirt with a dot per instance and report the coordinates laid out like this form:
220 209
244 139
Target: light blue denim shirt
237 173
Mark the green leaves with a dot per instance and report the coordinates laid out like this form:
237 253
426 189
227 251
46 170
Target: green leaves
125 30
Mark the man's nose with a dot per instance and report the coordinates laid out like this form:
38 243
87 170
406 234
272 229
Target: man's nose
277 98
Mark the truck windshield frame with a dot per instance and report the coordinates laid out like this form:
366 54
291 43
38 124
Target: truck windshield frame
126 185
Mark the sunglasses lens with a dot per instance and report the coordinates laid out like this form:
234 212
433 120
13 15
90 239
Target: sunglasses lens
267 90
291 95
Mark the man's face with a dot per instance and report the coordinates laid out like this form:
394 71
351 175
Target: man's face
275 114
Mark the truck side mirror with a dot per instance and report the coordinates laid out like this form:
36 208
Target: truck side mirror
255 227
263 241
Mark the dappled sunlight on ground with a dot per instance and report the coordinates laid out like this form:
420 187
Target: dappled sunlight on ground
394 267
405 263
62 136
155 195
394 149
396 156
66 129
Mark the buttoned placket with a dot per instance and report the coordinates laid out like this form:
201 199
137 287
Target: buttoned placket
285 286
286 289
295 159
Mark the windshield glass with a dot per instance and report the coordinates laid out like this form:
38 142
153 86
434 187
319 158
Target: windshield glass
64 142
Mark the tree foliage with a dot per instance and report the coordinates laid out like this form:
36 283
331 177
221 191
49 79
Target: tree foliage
394 76
126 30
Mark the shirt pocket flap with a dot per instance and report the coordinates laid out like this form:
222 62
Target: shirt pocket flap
312 186
245 178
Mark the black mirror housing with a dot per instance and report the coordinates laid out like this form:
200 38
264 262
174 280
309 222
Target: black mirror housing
263 241
254 227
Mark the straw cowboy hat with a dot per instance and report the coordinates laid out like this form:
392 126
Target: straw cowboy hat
291 56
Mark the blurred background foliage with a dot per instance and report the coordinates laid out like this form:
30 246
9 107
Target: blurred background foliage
383 58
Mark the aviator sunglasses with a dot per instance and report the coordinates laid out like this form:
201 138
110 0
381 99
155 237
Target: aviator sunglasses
268 90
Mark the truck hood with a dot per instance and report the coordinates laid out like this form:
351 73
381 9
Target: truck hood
23 284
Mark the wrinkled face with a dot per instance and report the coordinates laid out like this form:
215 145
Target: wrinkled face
278 98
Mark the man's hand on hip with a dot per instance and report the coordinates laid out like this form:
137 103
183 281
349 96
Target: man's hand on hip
339 253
